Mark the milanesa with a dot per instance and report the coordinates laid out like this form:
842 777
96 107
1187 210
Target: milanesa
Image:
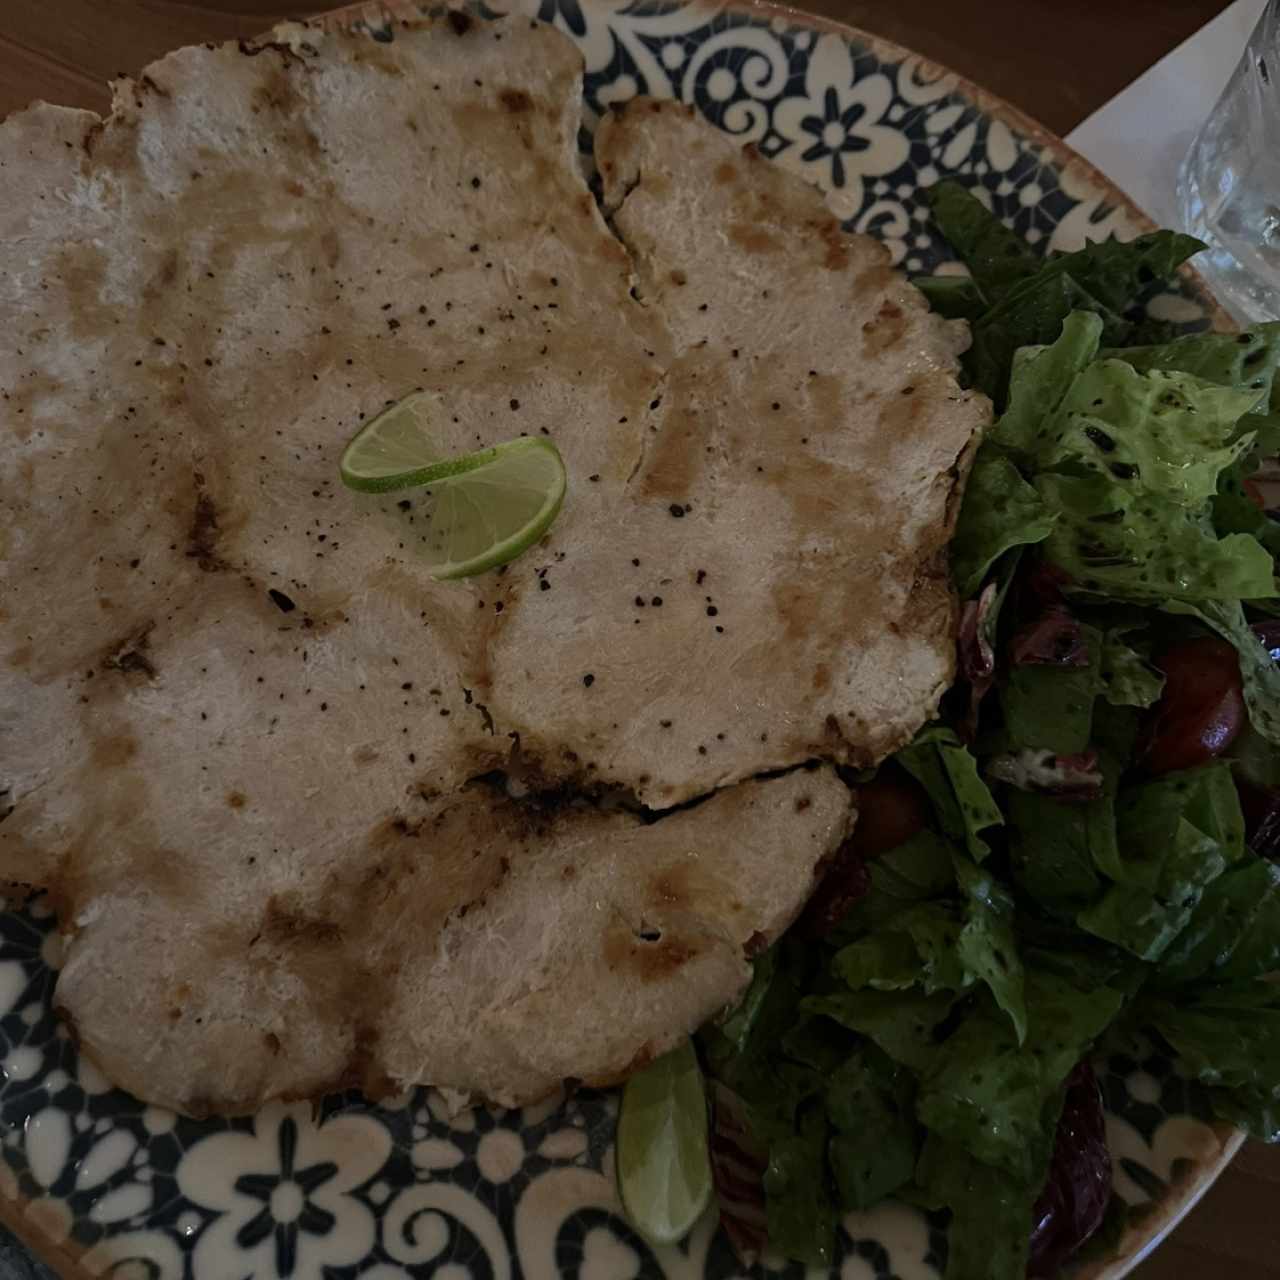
250 746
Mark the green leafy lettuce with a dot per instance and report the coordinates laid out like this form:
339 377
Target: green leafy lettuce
1001 510
921 1049
1175 835
949 773
1032 297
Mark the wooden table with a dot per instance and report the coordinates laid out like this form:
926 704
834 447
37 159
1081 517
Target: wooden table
1055 59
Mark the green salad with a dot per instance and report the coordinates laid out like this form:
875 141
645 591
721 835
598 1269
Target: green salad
1077 852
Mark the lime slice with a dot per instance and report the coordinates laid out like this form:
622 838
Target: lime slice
395 450
664 1170
478 510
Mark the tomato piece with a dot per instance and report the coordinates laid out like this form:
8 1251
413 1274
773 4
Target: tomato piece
1254 493
892 807
1201 710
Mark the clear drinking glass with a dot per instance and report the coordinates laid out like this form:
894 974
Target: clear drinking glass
1229 186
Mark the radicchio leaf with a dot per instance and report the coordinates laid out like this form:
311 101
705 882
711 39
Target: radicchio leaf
1054 638
1074 1200
738 1166
1075 777
977 655
977 639
977 658
1261 809
1043 584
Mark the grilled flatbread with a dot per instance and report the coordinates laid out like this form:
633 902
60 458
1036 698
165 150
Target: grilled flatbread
242 728
488 947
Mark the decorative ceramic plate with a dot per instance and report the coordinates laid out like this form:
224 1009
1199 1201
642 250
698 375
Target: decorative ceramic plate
98 1184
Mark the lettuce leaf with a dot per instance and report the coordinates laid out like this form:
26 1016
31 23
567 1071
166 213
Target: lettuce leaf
1030 315
1117 272
1225 1036
1001 510
1234 510
915 871
1051 707
988 1238
996 256
1245 360
1129 462
920 868
1131 545
1255 1110
738 1026
955 297
902 1023
1103 278
986 945
1040 380
1050 850
799 1214
1124 464
947 770
987 1092
1168 433
1176 835
944 946
1235 931
874 1141
918 948
1128 680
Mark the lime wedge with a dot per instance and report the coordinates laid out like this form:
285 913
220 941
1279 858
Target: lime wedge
477 510
664 1170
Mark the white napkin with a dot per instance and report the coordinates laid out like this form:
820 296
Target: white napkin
1139 138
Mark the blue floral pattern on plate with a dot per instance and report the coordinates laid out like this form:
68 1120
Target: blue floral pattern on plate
104 1185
